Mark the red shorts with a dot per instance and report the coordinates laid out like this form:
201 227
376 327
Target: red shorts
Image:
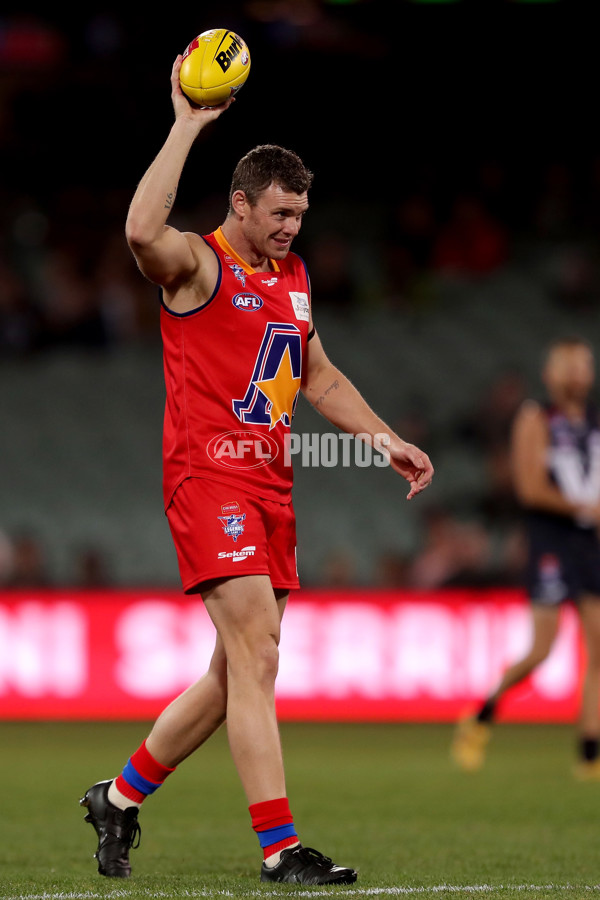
222 532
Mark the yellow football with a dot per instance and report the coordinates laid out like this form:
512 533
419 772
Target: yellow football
215 66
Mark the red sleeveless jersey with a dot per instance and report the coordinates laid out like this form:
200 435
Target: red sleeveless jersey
232 375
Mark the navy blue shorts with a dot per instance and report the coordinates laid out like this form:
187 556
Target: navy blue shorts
563 561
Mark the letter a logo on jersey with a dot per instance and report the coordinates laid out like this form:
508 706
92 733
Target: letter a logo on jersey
273 390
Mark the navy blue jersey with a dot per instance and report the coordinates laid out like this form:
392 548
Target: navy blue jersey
564 552
574 455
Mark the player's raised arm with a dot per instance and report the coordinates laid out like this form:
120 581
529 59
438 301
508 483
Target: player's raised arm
165 255
336 398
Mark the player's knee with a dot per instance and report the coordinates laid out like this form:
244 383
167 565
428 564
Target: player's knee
267 661
256 658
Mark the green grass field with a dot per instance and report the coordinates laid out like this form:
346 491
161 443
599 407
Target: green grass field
384 798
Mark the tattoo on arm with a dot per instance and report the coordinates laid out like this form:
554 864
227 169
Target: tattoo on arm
170 199
332 387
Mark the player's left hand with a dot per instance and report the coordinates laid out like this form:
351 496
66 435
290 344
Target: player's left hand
413 464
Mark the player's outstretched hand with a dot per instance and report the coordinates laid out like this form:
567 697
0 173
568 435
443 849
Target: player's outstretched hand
414 465
184 107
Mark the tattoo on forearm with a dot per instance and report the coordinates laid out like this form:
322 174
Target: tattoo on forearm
170 199
332 387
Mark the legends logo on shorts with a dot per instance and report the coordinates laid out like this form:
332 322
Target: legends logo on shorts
232 520
238 555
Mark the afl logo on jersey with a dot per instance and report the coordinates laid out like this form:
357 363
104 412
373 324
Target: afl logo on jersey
249 302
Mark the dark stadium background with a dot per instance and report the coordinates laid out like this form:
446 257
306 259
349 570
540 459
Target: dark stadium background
385 85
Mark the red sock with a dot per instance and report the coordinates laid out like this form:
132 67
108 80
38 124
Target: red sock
141 776
274 825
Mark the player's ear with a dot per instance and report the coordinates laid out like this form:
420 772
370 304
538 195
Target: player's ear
239 203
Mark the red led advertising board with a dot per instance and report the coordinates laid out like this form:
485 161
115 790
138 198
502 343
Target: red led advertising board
345 655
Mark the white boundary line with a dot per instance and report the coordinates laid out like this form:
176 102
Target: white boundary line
391 891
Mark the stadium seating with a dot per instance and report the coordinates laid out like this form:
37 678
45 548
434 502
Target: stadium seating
80 442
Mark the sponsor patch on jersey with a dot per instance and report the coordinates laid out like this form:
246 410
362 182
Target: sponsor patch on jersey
300 303
248 302
238 555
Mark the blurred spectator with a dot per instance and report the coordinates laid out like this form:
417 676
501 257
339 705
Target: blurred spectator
119 293
91 568
491 422
414 425
556 203
408 248
392 570
489 429
497 192
329 260
71 311
454 552
414 228
472 242
29 567
339 570
575 282
29 41
6 558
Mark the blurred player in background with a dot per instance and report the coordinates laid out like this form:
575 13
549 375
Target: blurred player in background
556 470
239 344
